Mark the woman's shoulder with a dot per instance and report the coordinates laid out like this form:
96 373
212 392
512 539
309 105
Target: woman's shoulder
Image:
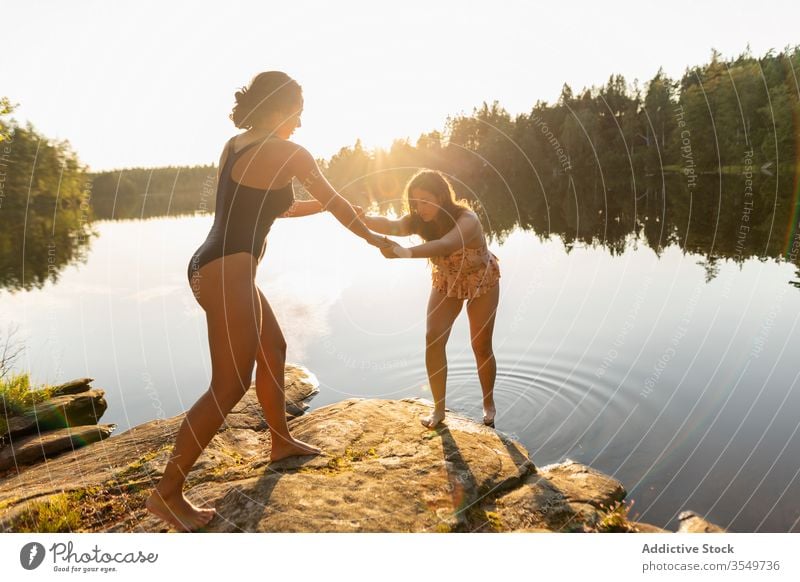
296 155
471 228
468 217
281 153
268 145
293 145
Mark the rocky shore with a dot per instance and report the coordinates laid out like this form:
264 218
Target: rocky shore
382 471
66 421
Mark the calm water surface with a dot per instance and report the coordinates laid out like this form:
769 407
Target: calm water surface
684 389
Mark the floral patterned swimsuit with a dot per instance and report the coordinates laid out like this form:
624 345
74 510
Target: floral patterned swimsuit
466 273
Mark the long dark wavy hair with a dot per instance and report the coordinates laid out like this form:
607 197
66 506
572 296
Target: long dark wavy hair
449 208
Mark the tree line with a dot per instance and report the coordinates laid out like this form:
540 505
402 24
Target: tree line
45 213
706 161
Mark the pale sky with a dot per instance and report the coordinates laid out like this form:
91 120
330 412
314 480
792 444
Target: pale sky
151 83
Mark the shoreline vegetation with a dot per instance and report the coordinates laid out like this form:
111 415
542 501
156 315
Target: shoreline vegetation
672 162
461 477
44 421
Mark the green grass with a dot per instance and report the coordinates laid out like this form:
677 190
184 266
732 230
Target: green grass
8 503
615 518
59 513
137 469
93 508
223 467
482 520
18 395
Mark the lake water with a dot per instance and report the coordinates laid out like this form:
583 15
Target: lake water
684 389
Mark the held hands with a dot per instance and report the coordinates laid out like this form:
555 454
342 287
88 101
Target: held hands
389 248
395 251
379 241
375 240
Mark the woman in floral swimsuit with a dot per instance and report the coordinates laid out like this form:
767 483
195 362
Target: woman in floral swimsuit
463 269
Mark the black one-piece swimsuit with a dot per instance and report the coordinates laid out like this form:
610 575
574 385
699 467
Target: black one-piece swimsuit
242 217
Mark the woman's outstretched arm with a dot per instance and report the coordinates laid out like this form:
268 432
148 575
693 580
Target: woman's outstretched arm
304 167
467 227
383 225
302 208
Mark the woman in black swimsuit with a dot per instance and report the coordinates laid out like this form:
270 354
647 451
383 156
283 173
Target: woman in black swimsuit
254 188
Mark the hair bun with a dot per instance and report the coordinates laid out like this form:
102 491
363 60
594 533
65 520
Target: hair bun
267 92
241 95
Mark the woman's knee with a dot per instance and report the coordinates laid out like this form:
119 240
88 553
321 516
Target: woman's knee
482 347
232 368
436 337
271 356
272 344
226 395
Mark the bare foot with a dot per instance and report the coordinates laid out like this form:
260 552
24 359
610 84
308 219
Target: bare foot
432 420
281 448
488 416
179 511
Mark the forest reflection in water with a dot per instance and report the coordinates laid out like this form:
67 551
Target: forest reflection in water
733 217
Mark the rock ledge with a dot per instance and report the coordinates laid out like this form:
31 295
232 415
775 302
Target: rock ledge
382 471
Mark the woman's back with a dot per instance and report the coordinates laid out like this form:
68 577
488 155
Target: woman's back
253 189
265 166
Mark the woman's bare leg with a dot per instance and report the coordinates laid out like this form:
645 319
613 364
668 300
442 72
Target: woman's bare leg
229 297
442 312
481 312
270 365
